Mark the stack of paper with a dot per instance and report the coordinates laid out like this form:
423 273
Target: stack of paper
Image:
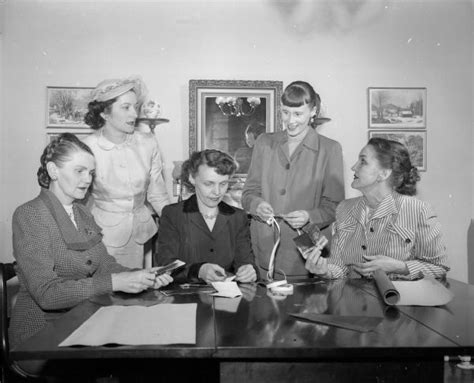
137 325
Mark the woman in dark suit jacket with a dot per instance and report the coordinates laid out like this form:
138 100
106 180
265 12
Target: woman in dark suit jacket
61 260
213 238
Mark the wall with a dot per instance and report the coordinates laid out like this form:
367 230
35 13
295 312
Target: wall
341 47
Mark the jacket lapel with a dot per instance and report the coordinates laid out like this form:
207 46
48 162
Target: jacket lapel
223 219
190 207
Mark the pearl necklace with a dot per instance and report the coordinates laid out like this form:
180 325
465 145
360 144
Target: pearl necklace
209 216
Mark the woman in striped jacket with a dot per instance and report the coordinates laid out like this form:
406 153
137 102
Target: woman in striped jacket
386 228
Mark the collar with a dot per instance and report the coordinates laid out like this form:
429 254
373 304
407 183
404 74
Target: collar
386 207
311 140
191 206
87 235
105 144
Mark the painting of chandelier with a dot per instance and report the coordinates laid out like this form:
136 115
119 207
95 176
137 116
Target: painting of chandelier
237 106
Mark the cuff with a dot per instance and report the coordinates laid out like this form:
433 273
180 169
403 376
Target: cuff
102 284
254 204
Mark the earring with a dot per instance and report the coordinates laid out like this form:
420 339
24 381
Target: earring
54 178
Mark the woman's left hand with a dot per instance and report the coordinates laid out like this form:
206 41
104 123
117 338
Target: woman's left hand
246 274
297 219
380 262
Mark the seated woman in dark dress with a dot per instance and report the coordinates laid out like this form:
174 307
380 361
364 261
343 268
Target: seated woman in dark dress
213 238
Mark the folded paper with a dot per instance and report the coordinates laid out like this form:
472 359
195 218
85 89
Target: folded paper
226 289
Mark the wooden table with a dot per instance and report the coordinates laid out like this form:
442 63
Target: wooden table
261 342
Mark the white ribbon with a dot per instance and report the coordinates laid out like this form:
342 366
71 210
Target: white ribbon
276 232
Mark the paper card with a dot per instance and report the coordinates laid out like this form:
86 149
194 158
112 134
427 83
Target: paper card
176 264
226 289
137 325
424 292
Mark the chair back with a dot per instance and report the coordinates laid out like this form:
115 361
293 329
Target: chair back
7 271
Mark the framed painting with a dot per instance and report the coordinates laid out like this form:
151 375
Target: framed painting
67 106
415 141
400 108
230 114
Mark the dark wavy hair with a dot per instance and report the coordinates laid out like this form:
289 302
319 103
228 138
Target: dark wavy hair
299 93
222 162
395 156
93 117
59 151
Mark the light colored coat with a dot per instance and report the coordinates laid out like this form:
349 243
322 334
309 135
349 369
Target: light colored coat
312 180
127 175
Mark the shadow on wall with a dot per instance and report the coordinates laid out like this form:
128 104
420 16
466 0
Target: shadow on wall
304 17
470 253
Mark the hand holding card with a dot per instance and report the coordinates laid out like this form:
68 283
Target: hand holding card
310 239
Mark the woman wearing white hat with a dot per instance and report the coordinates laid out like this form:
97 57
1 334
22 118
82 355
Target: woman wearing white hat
128 171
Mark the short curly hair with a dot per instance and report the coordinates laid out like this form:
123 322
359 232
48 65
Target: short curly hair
59 151
395 156
93 117
222 162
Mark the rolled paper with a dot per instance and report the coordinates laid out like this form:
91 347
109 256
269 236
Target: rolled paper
387 290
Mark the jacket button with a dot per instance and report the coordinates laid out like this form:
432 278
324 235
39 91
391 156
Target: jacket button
89 275
364 247
287 166
408 240
89 262
211 250
282 191
371 229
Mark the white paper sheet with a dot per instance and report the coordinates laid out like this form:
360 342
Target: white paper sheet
424 292
226 289
137 325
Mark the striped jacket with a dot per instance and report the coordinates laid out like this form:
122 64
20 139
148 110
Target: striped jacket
402 227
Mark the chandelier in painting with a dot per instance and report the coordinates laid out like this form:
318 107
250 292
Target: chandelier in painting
237 106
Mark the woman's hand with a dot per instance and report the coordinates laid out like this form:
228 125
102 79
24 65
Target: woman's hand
210 272
380 262
162 280
246 274
297 219
316 264
133 281
264 211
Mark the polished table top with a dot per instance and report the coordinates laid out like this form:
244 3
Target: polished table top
258 325
455 321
